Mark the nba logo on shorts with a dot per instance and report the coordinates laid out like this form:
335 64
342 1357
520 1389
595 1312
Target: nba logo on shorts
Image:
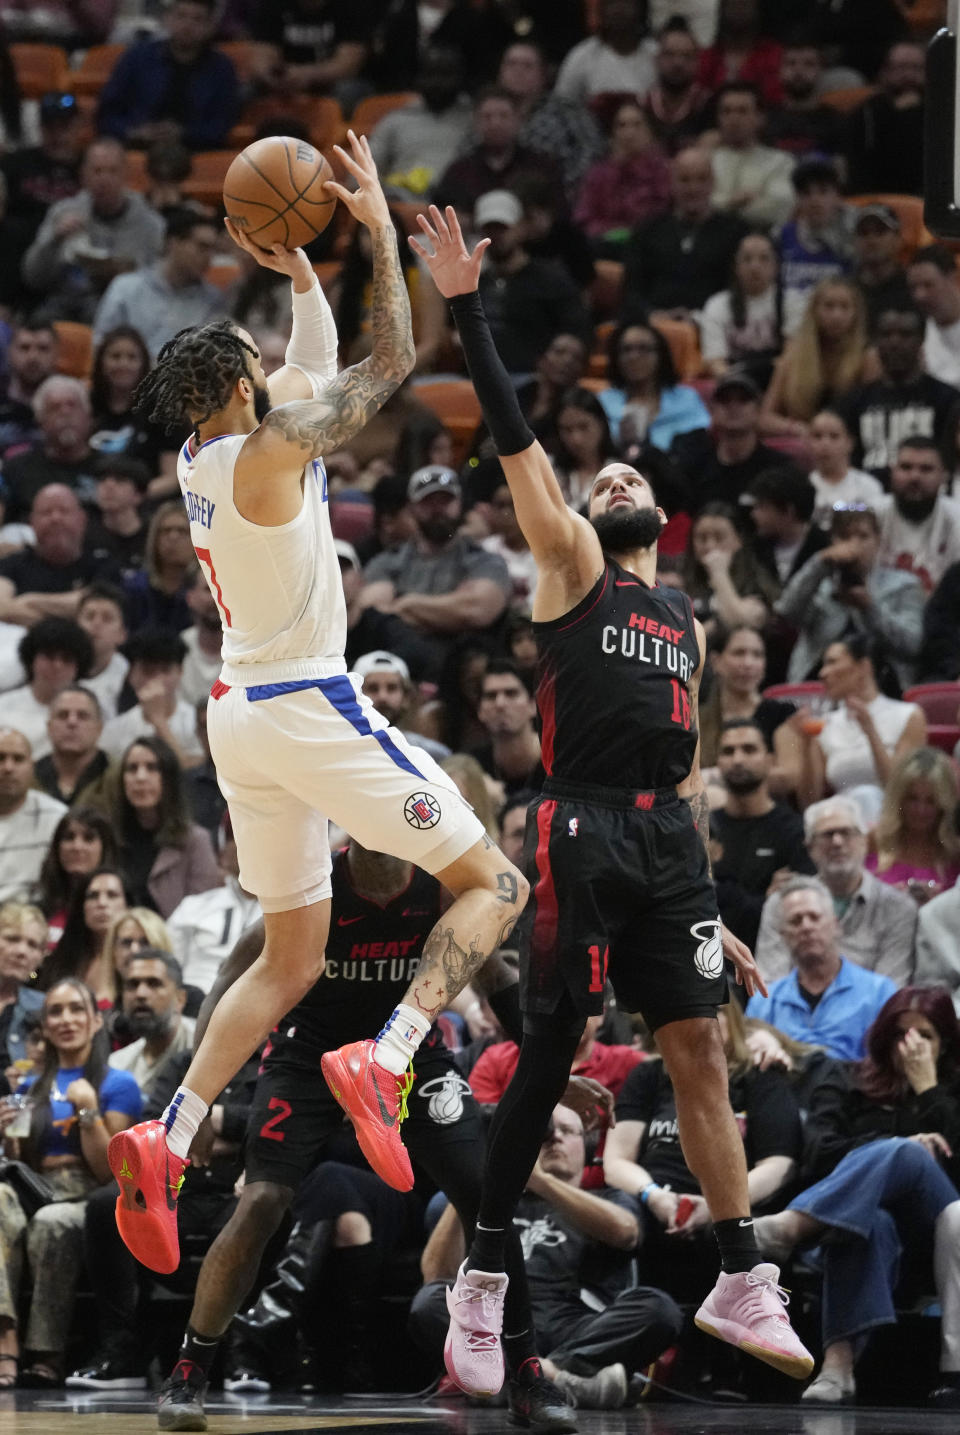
573 827
708 958
422 810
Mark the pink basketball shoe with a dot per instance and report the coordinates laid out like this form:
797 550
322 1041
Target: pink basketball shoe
748 1310
472 1352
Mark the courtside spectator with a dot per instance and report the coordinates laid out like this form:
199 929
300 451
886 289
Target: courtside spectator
938 943
920 528
27 819
42 174
742 326
781 506
915 843
495 161
883 147
387 683
801 124
720 464
206 926
508 711
31 357
62 452
156 670
877 241
55 653
117 536
750 179
676 104
835 481
630 185
201 663
156 594
617 59
152 1001
564 129
816 243
413 145
45 580
101 615
823 363
932 277
23 939
940 655
75 759
645 403
742 52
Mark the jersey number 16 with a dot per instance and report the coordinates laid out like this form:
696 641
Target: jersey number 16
681 705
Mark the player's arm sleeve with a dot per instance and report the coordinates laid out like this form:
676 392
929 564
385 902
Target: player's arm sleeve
313 339
498 398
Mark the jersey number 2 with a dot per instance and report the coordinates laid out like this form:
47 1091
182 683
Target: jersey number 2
681 705
204 556
282 1110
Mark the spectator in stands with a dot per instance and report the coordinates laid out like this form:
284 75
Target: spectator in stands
82 842
117 536
31 357
750 179
42 174
85 241
98 899
513 824
801 124
58 22
23 937
43 581
742 326
62 453
156 594
886 1132
676 103
940 654
816 243
165 856
737 662
630 185
742 52
101 615
877 923
617 59
120 362
934 288
920 528
823 363
438 582
861 738
401 37
172 294
902 401
78 1104
528 301
320 49
584 444
855 34
884 139
720 465
877 240
507 541
55 653
826 999
915 842
563 129
205 926
677 261
834 479
508 711
153 999
156 668
755 841
496 160
645 403
413 145
386 682
27 819
133 931
781 507
75 759
644 1158
722 577
938 943
175 88
950 448
204 798
201 663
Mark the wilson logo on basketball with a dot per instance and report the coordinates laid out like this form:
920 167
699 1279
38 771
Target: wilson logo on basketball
422 810
708 958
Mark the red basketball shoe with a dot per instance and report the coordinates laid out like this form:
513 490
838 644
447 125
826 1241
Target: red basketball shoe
376 1102
149 1177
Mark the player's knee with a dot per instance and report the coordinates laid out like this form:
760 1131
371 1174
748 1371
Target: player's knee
262 1206
695 1059
352 1229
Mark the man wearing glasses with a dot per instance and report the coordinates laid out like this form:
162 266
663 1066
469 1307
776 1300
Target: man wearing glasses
878 923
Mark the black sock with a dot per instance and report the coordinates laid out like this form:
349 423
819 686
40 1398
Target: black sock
200 1350
528 1372
487 1248
520 1353
738 1245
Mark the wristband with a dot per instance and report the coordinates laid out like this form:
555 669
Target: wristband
88 1116
648 1191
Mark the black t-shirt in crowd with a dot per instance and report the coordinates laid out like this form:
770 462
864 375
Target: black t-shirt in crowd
123 552
880 415
747 851
26 473
710 480
35 181
29 573
310 33
763 1103
532 780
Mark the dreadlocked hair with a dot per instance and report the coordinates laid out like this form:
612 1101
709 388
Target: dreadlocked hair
194 375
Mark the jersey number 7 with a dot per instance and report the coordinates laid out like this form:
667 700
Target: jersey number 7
204 556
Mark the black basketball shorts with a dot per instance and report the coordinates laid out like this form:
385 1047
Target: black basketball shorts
620 889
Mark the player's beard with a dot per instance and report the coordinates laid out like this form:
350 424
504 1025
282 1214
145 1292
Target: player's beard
261 402
624 530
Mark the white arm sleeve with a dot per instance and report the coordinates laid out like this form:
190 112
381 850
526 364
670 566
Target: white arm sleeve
313 338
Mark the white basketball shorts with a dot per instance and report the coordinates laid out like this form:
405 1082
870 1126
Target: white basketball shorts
290 756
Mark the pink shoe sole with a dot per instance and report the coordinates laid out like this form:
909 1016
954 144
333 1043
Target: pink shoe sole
796 1366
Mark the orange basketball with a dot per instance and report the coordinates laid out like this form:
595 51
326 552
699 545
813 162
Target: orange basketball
274 192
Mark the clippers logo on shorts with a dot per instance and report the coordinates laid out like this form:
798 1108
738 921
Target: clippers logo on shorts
422 810
444 1096
708 958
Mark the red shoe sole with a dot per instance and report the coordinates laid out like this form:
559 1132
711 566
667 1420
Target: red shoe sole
146 1224
390 1166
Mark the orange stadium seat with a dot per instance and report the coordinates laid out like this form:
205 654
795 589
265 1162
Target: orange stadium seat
137 170
909 210
245 55
39 69
320 115
848 98
923 16
456 406
370 111
598 361
75 349
208 170
95 69
606 291
684 341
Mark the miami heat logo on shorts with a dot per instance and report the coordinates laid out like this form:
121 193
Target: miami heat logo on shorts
708 958
444 1096
422 810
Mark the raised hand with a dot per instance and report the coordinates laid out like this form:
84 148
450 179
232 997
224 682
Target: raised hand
283 261
455 270
367 203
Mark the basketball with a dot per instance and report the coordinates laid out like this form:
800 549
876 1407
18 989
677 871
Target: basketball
274 192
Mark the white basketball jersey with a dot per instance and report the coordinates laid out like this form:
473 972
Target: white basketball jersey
278 589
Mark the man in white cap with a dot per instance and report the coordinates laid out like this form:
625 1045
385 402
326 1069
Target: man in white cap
386 682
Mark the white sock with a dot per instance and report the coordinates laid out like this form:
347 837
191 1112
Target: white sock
182 1119
400 1038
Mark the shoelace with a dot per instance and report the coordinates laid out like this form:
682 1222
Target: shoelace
478 1341
471 1295
404 1087
767 1285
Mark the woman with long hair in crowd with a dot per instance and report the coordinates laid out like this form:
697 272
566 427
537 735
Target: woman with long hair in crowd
827 357
722 578
737 663
883 1137
98 899
75 1105
584 444
82 841
915 842
834 479
165 855
646 403
476 788
742 326
156 595
630 184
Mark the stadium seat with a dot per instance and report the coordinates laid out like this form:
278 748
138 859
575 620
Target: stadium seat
597 363
370 111
456 406
350 520
223 272
95 69
795 692
207 173
909 210
320 115
40 69
606 291
848 98
684 340
945 736
137 177
940 701
75 349
923 16
245 55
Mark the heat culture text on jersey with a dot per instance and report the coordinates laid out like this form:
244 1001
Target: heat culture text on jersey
614 690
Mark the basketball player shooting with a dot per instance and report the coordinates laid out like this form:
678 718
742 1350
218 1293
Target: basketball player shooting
294 741
616 854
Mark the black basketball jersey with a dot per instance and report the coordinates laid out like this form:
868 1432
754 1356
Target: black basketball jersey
372 952
614 685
